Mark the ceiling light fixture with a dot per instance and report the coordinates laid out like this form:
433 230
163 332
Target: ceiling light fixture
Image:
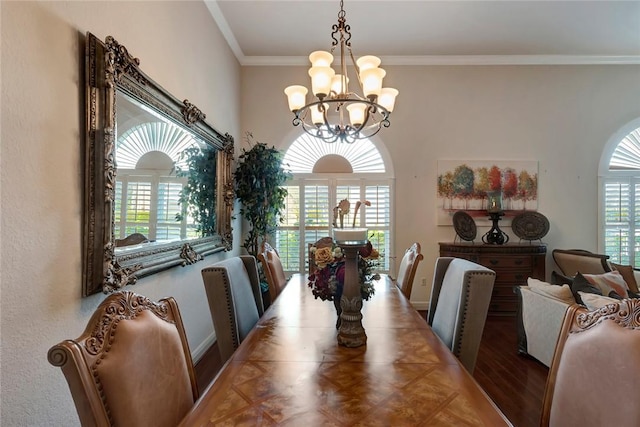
326 116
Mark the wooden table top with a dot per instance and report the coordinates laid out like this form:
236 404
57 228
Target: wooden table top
290 370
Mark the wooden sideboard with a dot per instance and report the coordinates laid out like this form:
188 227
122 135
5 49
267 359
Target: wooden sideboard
513 264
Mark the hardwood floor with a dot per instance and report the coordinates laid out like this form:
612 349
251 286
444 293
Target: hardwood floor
514 382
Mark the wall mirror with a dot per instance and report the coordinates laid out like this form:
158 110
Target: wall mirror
158 186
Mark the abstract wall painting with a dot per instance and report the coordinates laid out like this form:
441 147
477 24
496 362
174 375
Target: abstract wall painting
464 184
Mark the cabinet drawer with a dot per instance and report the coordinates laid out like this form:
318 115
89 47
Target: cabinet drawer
505 292
501 307
512 278
506 262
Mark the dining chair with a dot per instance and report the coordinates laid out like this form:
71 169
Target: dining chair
460 297
407 269
131 366
273 271
235 300
595 368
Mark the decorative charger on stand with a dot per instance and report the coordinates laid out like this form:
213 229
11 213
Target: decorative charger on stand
465 226
530 225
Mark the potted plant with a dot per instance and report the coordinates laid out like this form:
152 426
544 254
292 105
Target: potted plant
199 193
258 178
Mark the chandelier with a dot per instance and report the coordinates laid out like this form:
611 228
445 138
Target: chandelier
336 113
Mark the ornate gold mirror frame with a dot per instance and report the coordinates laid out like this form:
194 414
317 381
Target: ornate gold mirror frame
110 69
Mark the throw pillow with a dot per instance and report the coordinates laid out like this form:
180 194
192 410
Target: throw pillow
627 275
562 292
580 284
609 281
594 302
559 279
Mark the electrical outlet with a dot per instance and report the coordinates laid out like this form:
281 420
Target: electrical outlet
423 281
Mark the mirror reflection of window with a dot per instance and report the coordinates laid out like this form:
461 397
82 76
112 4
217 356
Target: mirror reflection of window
147 186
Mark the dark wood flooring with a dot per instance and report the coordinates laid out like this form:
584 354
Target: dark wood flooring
514 382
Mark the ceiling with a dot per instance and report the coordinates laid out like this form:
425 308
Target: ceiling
284 32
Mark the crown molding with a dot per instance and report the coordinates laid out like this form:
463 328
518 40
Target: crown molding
256 61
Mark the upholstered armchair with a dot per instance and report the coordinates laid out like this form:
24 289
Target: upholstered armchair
460 298
131 366
235 300
594 371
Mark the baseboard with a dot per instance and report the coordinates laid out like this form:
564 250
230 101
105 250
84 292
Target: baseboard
420 305
197 354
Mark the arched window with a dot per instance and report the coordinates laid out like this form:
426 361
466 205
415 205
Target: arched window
324 174
620 197
147 187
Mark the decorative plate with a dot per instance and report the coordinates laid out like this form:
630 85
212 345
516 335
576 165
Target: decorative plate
464 225
530 225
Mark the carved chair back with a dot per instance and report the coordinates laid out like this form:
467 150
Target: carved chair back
131 365
407 269
595 368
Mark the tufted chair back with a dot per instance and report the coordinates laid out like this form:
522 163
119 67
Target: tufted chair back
235 300
595 368
460 298
131 366
273 270
407 269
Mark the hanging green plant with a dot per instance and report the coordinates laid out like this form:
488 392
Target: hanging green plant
259 178
198 196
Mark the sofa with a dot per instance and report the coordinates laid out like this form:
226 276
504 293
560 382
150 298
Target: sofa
582 278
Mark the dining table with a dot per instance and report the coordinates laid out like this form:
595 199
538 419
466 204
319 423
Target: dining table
290 370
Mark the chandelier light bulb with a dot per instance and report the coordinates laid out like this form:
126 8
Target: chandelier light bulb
340 84
356 113
321 80
367 62
387 98
317 114
321 58
372 81
297 97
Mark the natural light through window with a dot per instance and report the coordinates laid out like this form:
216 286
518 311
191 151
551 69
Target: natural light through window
621 202
324 174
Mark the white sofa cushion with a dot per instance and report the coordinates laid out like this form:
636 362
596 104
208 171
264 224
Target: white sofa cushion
563 293
594 301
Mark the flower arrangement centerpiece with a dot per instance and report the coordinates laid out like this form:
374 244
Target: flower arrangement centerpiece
327 280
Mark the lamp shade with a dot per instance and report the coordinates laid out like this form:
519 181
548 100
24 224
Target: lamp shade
317 114
387 98
372 81
356 113
367 62
320 58
321 80
297 97
340 84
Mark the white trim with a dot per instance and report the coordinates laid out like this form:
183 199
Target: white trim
420 305
259 61
223 25
197 354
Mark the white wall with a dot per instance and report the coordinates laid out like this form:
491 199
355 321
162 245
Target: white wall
561 116
41 176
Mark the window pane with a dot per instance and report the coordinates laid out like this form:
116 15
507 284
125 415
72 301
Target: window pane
378 214
291 212
316 205
288 244
138 202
